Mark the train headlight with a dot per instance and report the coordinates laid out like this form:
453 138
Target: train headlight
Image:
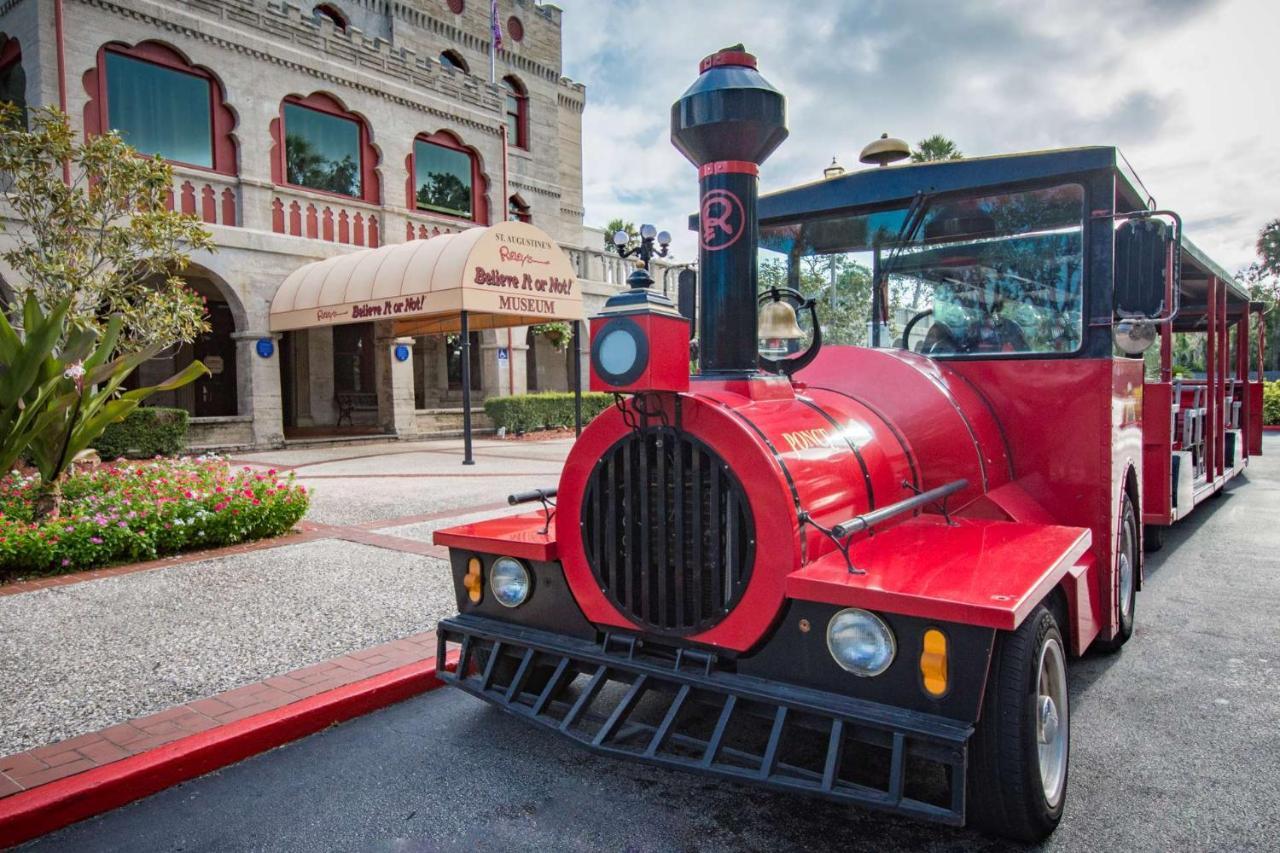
509 582
860 642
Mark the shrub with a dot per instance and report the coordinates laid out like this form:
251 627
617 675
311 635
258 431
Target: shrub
144 433
140 511
1271 403
525 412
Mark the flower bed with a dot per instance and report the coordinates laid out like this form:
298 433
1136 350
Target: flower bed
127 513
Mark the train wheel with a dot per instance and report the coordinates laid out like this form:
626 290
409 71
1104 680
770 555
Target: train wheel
1019 754
1126 578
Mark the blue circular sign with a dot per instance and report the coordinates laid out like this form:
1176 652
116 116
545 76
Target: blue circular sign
266 347
402 352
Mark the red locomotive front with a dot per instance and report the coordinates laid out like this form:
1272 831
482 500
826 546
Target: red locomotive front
855 571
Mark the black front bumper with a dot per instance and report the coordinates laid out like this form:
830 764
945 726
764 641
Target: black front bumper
683 712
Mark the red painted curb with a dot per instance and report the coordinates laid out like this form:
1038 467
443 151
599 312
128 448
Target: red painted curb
41 810
1271 428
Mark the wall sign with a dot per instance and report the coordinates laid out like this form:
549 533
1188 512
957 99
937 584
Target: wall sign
266 347
502 355
214 363
402 352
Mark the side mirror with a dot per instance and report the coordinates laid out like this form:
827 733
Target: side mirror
1141 266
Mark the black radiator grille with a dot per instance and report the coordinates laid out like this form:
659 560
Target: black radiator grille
668 531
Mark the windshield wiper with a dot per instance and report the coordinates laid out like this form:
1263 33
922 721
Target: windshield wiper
906 233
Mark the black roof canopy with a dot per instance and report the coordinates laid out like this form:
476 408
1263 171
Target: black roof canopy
891 186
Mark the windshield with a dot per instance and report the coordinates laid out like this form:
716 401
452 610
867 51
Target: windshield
978 275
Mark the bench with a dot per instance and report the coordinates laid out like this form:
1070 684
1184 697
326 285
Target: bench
349 402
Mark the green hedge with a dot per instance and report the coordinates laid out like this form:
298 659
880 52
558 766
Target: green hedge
527 412
1271 403
144 433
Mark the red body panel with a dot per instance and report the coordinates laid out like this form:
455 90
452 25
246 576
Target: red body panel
513 535
979 572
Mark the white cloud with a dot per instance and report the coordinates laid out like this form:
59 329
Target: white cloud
1185 87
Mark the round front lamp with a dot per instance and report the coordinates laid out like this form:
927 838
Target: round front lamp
648 232
621 238
860 642
620 352
509 582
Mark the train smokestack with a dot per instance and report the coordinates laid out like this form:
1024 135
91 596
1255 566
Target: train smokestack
727 123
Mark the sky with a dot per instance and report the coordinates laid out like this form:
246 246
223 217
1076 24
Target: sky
1188 90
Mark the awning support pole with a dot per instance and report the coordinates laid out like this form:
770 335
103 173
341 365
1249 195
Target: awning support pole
577 377
466 391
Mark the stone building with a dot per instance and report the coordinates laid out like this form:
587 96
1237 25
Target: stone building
297 132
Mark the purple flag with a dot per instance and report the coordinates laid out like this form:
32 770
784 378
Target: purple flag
494 26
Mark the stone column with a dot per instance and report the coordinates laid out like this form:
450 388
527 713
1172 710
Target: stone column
396 412
258 386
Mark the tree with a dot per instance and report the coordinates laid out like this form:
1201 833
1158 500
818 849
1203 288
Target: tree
446 192
936 147
844 317
616 225
1268 246
60 386
307 167
1262 278
104 241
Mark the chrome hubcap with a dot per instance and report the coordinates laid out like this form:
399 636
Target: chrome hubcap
1126 586
1052 725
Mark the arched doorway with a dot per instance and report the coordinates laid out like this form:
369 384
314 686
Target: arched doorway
216 395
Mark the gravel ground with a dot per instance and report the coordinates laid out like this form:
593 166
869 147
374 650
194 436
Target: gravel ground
359 501
423 529
79 658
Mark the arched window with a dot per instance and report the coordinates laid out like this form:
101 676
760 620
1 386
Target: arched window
13 80
326 148
331 14
161 104
517 110
517 210
453 59
446 178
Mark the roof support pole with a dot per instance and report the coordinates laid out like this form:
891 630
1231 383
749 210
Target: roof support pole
466 390
1210 385
577 377
1222 377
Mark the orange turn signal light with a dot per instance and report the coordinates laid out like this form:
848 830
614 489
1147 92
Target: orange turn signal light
472 580
933 662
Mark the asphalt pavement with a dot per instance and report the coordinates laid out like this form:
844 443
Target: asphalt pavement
1175 746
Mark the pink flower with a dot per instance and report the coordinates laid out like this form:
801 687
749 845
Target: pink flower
65 561
95 540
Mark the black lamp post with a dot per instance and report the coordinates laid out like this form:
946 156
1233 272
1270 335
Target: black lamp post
645 251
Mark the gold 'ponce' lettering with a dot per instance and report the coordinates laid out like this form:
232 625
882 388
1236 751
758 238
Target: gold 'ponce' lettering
806 438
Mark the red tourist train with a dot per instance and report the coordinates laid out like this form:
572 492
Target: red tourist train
860 572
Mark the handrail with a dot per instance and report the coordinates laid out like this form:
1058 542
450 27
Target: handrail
870 519
543 494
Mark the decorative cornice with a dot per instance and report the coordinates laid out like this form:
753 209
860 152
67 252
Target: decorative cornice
533 188
401 64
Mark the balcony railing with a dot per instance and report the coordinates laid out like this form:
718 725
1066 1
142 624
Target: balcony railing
220 200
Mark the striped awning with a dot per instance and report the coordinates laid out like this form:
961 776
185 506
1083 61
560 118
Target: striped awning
510 274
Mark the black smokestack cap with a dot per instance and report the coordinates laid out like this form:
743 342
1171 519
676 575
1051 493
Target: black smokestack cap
727 123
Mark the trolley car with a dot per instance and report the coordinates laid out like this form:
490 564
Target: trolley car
861 572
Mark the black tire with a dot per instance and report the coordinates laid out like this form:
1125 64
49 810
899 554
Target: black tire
1005 786
1126 598
1153 537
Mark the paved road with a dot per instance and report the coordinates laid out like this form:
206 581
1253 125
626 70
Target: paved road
1176 746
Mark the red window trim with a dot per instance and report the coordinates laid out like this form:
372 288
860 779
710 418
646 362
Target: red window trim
370 188
522 210
521 93
222 120
479 181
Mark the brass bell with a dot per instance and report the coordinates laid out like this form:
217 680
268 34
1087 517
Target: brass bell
778 322
885 150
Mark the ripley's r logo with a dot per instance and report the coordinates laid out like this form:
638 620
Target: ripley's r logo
721 219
